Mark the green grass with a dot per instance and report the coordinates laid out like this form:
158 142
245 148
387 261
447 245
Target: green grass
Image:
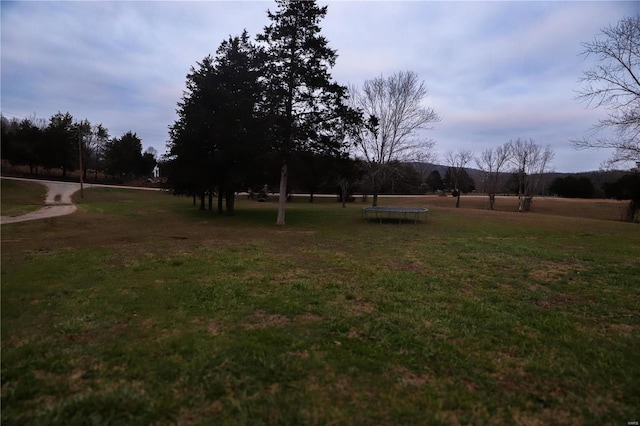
19 197
140 309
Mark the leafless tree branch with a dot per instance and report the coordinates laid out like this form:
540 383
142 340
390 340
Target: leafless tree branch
615 85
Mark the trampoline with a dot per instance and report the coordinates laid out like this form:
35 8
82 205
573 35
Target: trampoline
392 213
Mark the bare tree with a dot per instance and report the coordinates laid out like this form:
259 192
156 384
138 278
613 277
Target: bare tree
615 85
492 162
94 140
457 161
530 162
393 116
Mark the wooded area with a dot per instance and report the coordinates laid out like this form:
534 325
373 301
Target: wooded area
68 145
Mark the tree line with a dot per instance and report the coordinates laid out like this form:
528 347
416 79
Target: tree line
64 143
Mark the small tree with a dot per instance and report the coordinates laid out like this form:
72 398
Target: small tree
615 85
434 181
530 161
94 139
394 116
457 161
148 162
493 162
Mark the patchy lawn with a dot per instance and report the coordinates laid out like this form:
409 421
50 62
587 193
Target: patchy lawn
139 309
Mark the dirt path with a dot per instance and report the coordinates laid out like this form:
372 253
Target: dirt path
57 203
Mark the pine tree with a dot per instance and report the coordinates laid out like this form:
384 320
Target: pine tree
235 124
213 142
189 147
303 107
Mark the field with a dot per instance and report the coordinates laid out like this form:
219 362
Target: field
140 309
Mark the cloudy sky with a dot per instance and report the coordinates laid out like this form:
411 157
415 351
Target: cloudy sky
495 70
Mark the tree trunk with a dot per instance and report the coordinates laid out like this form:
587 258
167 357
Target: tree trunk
343 191
632 209
375 192
202 200
458 199
524 203
220 199
231 200
210 199
492 200
282 197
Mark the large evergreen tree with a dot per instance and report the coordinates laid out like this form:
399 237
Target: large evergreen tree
238 144
190 146
60 148
304 108
214 142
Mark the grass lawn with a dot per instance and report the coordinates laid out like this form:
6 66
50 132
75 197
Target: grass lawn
139 309
19 197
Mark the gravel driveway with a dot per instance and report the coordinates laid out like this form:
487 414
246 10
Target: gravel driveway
57 203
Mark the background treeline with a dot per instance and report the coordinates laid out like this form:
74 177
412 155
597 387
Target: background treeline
44 146
58 143
47 145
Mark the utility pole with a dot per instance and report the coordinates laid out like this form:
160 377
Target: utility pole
80 160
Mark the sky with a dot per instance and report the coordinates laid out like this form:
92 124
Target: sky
495 71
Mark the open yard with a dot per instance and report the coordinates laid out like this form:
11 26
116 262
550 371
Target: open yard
20 197
140 309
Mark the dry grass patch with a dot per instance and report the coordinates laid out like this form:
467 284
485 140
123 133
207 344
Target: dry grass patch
357 307
407 377
550 272
261 319
559 301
